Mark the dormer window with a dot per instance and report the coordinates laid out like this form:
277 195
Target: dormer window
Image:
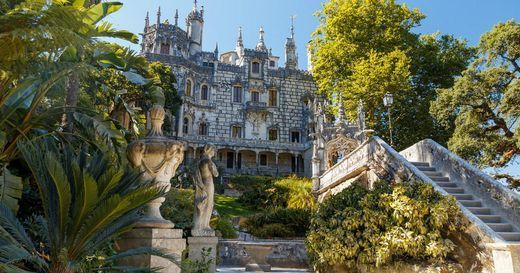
255 68
189 85
204 92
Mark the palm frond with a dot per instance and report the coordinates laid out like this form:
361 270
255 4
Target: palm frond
9 223
10 188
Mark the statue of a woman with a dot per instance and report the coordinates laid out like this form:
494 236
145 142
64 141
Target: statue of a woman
204 193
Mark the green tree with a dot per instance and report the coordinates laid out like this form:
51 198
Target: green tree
484 104
88 200
366 48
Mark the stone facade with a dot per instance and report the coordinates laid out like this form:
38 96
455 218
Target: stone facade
255 111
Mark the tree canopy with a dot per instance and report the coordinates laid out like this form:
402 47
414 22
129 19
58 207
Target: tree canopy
363 49
484 104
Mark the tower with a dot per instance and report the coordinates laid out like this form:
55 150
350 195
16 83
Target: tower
291 58
194 26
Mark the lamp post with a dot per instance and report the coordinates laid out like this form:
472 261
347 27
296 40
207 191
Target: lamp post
388 100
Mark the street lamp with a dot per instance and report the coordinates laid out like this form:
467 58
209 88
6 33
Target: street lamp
388 100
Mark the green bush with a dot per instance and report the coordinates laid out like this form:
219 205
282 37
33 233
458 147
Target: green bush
224 226
407 222
179 207
296 192
295 223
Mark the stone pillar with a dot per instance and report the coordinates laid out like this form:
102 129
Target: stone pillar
158 158
235 159
277 166
199 246
257 162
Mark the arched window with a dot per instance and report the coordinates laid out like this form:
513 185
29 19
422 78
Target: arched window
236 131
204 92
185 126
203 129
273 97
189 84
255 68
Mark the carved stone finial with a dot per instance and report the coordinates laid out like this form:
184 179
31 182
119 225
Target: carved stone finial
157 115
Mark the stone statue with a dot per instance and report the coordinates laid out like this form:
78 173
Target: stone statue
158 158
204 193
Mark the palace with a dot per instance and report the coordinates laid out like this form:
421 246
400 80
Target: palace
256 111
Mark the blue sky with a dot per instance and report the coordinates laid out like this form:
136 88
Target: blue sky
463 18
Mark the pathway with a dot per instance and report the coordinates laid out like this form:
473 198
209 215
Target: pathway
276 270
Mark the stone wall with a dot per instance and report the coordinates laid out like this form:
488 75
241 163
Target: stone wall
285 254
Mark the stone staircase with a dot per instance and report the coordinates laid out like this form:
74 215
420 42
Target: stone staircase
496 222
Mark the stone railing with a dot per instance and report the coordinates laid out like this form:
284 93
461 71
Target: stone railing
256 106
247 143
379 157
492 192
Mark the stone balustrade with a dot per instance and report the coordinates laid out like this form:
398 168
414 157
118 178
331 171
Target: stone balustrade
246 143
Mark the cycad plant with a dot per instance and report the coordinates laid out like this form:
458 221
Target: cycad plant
88 200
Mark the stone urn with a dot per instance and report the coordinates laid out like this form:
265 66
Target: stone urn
158 158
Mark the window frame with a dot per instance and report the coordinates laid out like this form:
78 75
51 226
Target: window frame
236 129
269 134
265 162
257 65
239 98
204 90
203 129
188 91
255 96
272 98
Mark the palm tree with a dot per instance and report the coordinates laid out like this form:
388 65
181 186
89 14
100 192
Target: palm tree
88 200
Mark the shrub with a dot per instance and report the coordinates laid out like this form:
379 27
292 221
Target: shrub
224 226
295 222
409 222
178 208
297 192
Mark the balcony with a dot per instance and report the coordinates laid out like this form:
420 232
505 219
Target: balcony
256 106
246 143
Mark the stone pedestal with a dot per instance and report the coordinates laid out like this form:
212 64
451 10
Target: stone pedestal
260 263
170 240
197 245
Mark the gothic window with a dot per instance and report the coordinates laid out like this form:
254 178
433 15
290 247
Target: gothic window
273 134
255 96
203 129
295 136
273 97
204 92
255 68
189 84
263 160
236 131
185 126
237 93
165 48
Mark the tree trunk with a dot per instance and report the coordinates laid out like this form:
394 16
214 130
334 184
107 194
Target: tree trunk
71 101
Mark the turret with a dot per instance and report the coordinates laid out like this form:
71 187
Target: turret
194 26
261 44
146 22
216 52
177 17
291 58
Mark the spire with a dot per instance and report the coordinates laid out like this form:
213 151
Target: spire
176 17
240 42
194 4
341 112
292 26
216 51
146 21
159 16
261 45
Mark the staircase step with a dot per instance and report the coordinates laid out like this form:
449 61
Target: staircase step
463 196
447 184
440 179
433 173
426 169
490 218
454 190
471 203
501 227
425 164
479 211
510 236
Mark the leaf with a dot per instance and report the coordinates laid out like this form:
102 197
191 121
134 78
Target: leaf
157 95
62 192
99 11
10 187
9 223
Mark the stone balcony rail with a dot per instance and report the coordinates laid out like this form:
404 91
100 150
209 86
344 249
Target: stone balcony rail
199 103
251 144
256 106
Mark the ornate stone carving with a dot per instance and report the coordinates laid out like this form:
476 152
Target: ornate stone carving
158 158
338 148
204 193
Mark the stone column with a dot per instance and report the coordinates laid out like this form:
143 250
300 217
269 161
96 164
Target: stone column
158 158
277 166
257 162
